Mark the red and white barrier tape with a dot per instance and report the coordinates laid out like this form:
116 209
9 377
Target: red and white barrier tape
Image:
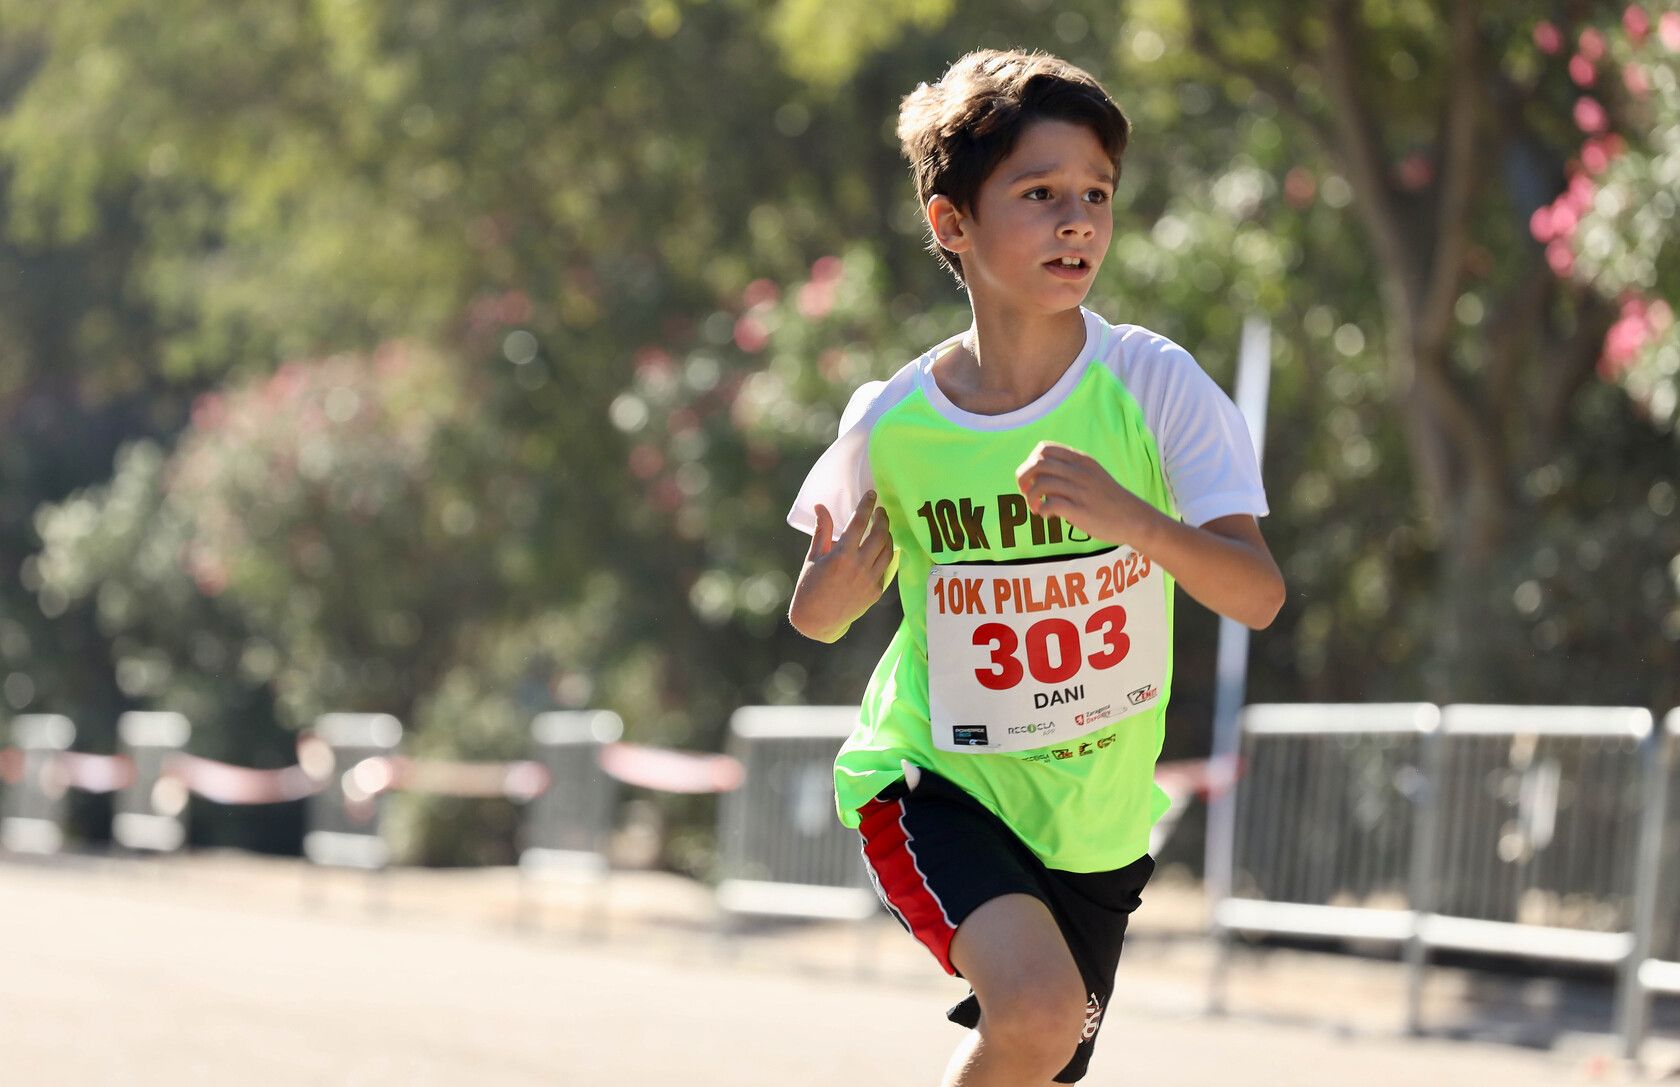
11 765
669 771
94 773
225 783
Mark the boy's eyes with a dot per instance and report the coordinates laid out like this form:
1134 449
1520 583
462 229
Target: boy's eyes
1040 192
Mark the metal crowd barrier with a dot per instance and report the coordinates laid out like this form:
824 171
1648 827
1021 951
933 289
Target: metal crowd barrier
1534 834
781 851
35 803
151 810
1328 811
349 753
567 826
1656 954
1508 830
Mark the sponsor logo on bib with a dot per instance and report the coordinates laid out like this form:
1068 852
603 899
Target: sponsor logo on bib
969 735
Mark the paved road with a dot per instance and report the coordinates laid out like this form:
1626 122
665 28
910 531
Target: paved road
117 976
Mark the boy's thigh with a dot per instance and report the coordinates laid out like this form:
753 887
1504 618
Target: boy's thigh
1011 951
936 858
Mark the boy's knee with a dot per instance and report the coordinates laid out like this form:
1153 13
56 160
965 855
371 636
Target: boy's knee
1043 1015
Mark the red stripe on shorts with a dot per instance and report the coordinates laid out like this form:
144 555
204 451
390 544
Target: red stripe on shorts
889 853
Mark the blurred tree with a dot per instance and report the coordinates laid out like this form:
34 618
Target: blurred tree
73 386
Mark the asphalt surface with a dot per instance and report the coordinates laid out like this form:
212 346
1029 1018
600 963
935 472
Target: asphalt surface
238 970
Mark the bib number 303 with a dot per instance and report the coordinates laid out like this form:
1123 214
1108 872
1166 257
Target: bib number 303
1026 655
1054 649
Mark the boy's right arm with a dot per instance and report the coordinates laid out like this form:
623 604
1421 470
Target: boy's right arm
842 578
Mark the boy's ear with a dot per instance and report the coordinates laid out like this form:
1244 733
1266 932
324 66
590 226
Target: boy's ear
948 223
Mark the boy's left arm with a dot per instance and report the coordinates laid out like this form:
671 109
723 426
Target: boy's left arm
1224 564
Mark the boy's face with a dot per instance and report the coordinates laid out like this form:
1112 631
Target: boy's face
1047 203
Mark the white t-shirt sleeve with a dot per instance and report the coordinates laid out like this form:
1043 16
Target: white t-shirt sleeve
1206 450
841 475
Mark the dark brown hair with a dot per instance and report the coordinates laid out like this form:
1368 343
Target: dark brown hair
956 131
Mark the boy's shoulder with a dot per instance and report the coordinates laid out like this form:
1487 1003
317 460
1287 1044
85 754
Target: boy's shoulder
1130 345
871 399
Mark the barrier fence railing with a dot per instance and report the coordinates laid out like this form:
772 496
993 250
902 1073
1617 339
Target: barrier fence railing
1534 832
348 766
567 826
151 810
32 820
1535 826
1656 919
1328 805
347 754
781 851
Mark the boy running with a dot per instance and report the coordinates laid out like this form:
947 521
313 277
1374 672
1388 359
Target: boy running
1039 482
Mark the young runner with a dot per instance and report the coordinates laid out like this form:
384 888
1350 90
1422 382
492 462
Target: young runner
1039 483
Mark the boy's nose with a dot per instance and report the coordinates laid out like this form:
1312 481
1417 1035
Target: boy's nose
1076 225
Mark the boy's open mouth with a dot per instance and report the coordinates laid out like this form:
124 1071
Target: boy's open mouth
1068 266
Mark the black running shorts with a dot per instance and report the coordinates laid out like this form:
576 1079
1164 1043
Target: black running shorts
935 854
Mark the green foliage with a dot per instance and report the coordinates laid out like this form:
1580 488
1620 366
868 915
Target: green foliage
344 511
822 43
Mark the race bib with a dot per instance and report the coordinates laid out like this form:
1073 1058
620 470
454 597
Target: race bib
1036 654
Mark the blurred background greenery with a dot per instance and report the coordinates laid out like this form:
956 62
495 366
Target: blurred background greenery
459 358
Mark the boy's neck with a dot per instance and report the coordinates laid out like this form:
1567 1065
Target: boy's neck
1008 360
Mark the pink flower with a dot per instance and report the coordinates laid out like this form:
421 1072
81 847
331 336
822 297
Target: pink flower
1580 193
1581 70
1547 38
1415 171
646 462
1299 187
827 269
209 574
1540 224
1590 116
1564 219
760 292
816 298
667 496
515 308
652 360
1638 83
1560 257
1592 44
1624 341
750 334
1636 23
1594 157
209 411
1668 29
